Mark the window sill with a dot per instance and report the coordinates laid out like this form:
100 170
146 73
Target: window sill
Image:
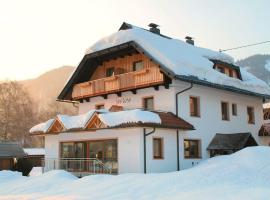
158 158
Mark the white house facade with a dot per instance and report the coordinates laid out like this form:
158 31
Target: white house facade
149 103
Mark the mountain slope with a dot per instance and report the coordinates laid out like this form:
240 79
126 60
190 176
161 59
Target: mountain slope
259 65
47 86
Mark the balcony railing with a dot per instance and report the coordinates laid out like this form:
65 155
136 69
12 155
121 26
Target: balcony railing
117 83
79 166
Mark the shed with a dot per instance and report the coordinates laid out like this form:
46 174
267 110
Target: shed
35 155
223 144
9 151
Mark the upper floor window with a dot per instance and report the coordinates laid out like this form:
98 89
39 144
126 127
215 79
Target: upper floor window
194 105
225 111
148 103
192 148
158 148
221 69
100 106
250 113
234 109
138 65
230 73
109 71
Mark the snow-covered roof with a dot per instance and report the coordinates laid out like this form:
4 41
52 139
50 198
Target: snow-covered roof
112 119
42 127
266 105
77 121
126 118
34 151
182 59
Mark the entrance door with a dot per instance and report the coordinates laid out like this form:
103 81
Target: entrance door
105 151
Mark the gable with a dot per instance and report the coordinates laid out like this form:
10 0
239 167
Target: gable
56 127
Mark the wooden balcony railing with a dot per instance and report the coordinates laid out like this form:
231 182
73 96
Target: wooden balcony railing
123 82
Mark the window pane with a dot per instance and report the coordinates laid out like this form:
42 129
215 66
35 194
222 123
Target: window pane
194 106
157 148
149 103
224 111
109 71
234 109
191 148
137 65
250 112
67 150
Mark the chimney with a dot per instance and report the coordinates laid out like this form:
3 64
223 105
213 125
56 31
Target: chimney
154 28
189 40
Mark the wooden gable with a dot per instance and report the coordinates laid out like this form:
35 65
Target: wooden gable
95 123
56 127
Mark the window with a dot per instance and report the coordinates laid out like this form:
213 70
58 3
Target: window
192 148
194 105
225 110
148 103
230 72
157 148
138 65
109 71
250 113
221 69
234 109
100 106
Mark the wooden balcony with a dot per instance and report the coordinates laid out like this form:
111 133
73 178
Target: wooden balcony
117 83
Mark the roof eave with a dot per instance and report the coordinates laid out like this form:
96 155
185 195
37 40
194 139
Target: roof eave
197 81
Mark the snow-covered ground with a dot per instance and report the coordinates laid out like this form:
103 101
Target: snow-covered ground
243 175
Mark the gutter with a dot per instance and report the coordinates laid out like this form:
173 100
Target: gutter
144 145
177 131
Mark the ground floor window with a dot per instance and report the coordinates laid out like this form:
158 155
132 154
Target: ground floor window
158 148
192 148
79 154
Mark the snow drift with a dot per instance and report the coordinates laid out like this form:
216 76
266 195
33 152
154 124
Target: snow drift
243 175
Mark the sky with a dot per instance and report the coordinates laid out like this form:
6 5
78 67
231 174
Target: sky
39 35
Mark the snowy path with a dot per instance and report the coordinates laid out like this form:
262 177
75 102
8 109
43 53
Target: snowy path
244 175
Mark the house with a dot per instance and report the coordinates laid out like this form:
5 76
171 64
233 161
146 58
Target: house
9 152
35 155
151 103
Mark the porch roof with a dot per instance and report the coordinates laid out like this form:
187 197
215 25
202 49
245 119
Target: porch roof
232 141
120 119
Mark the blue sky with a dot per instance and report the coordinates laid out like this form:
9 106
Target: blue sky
36 36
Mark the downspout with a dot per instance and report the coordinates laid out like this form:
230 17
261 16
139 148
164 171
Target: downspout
177 131
144 145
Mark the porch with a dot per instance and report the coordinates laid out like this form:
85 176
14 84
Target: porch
85 157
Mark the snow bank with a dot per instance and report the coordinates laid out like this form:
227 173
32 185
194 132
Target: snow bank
182 58
243 175
129 116
34 151
42 127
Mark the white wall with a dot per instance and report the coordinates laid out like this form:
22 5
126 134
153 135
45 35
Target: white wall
162 100
210 122
129 143
169 161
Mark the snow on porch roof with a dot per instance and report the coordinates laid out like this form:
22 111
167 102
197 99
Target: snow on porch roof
183 60
120 119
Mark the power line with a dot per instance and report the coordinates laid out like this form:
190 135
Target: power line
222 50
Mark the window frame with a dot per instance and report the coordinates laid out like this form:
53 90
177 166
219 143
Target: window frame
145 98
236 112
101 104
253 115
198 113
199 151
161 150
228 110
134 65
108 68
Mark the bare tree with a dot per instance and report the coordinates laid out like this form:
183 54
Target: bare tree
16 113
